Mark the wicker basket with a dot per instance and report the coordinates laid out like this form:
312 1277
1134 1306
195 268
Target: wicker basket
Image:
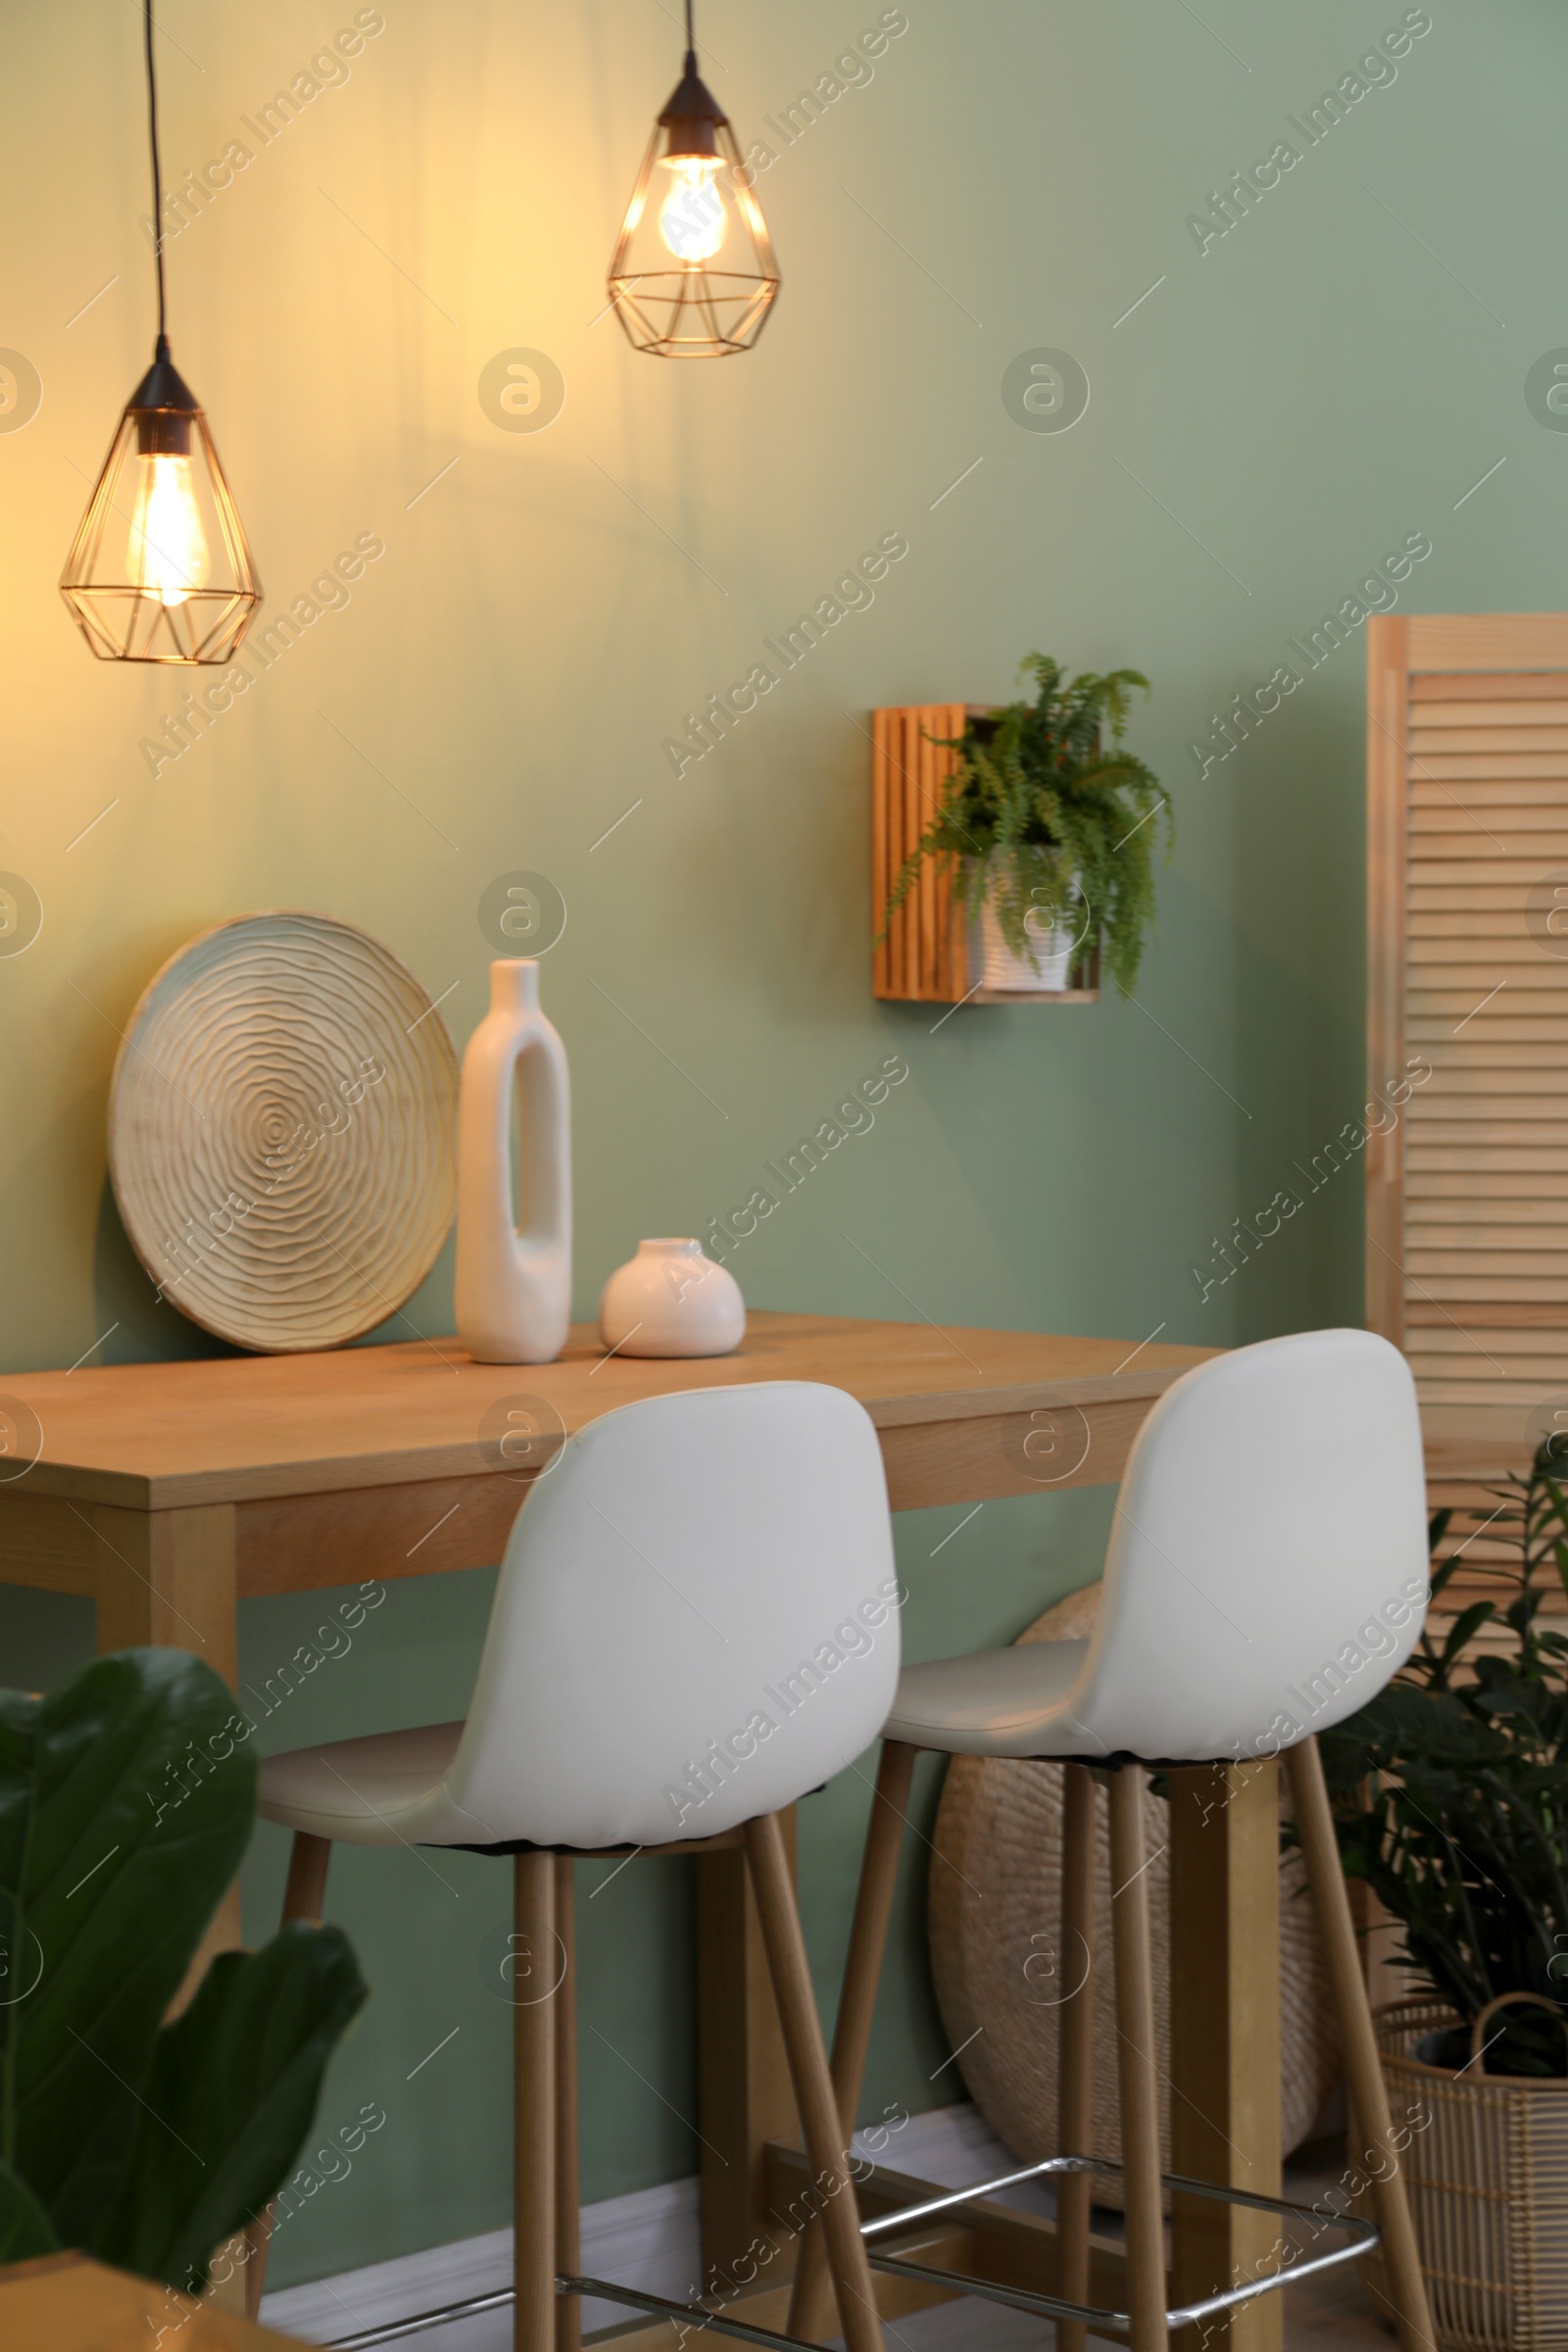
1487 2170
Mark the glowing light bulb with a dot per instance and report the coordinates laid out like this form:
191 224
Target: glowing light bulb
691 218
167 548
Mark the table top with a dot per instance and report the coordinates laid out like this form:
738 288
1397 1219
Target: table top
65 2303
156 1437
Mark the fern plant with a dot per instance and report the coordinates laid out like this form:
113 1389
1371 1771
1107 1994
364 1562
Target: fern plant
1046 808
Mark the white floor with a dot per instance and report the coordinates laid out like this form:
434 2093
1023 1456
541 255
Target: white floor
650 2240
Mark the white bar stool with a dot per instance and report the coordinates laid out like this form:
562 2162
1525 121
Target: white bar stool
640 1687
1273 1504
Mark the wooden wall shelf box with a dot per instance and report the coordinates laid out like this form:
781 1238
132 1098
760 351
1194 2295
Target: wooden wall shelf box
924 959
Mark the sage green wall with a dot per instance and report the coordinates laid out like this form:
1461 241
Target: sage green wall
1281 411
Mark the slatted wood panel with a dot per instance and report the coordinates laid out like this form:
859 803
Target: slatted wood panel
924 958
1467 1202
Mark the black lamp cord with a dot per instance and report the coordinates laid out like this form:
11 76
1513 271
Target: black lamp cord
691 43
158 177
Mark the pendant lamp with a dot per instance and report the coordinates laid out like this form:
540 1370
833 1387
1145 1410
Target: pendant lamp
693 276
159 570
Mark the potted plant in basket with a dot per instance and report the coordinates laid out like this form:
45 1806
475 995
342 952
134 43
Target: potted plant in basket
1450 1796
1046 822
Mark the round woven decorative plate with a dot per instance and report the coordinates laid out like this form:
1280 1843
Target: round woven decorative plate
282 1132
996 1957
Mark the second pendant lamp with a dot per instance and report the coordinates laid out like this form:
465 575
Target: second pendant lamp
159 570
693 277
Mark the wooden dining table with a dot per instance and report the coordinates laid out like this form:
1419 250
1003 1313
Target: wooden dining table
168 1492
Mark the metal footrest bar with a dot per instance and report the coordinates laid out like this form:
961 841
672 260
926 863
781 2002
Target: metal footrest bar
1363 2236
601 2290
421 2321
697 2313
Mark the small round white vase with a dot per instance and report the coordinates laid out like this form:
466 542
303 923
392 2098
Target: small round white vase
670 1299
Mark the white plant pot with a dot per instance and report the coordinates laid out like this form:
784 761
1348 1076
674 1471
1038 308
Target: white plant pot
1046 963
670 1299
514 1286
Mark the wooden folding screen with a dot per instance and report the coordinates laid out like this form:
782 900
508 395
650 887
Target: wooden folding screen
1467 905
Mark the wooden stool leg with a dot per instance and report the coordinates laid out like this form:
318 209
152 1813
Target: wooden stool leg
1140 2087
813 2084
1369 2100
811 2307
569 2234
533 2194
306 1889
1075 2068
304 1893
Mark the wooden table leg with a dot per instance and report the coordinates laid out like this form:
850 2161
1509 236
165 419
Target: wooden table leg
166 1579
745 2097
1225 2033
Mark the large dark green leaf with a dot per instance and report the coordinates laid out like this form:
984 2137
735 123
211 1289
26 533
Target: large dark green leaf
24 2224
231 2094
125 1806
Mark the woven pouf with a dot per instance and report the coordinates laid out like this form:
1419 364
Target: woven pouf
1000 1974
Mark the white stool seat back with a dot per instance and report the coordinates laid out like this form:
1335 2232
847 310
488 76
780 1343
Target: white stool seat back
696 1623
1266 1573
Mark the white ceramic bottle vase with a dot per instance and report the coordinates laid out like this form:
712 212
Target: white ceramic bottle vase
514 1283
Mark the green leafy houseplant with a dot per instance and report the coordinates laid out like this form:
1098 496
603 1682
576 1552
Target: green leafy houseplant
1045 805
126 1801
1451 1792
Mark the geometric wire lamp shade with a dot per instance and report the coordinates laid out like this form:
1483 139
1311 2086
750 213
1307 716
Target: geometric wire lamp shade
693 276
160 570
